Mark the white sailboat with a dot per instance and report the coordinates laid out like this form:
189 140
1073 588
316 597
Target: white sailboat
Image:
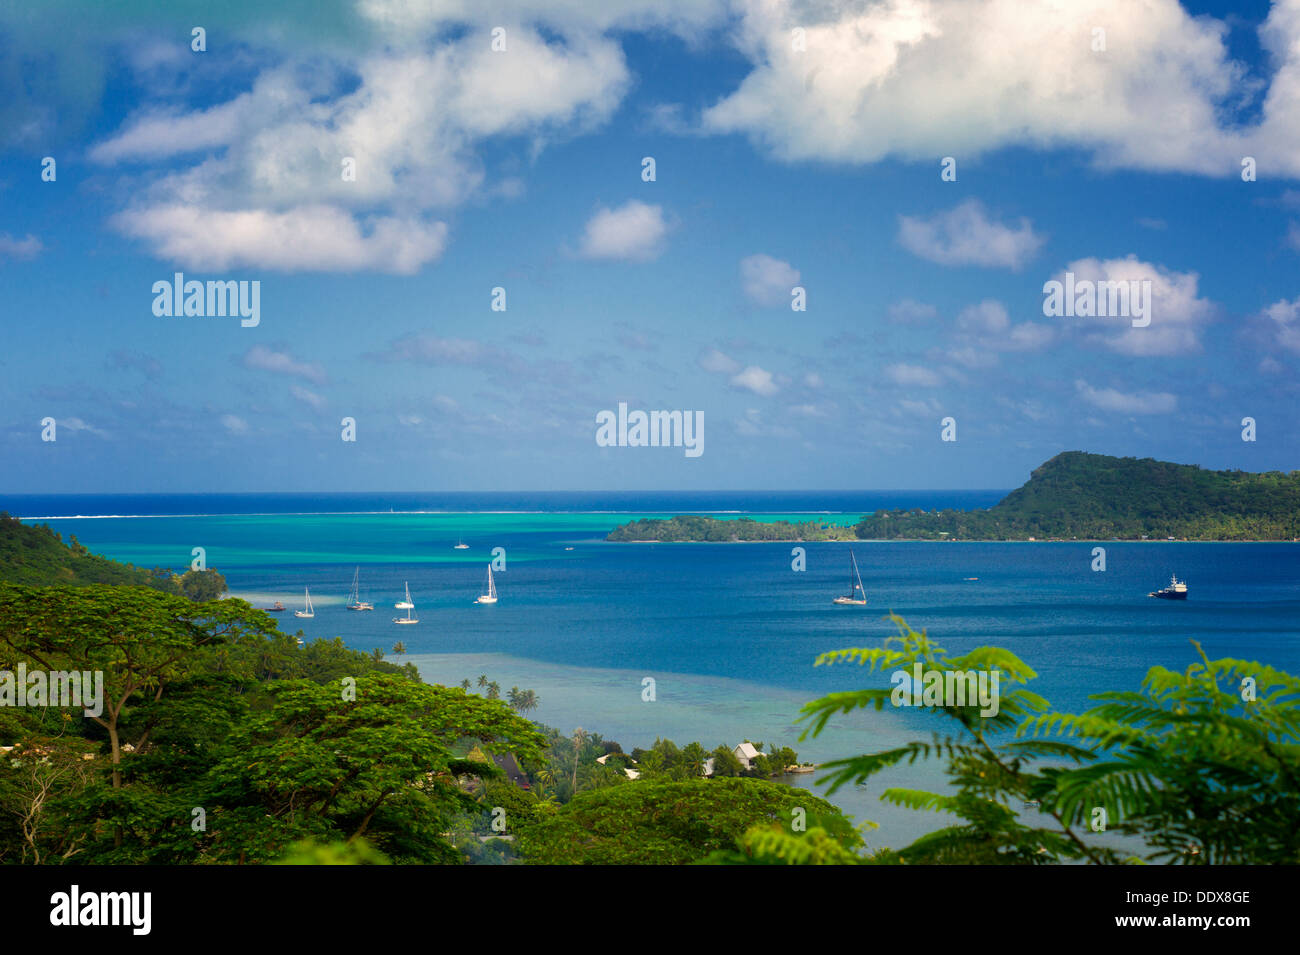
408 607
856 596
491 596
354 601
308 610
460 544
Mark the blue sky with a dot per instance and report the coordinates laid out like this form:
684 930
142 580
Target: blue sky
782 159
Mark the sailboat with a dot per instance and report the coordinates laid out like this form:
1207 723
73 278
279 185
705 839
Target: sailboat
852 596
460 544
408 607
308 610
354 601
491 596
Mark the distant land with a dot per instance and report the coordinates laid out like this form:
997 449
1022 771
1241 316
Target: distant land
1075 495
35 555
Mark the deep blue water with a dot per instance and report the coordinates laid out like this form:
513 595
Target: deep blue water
857 502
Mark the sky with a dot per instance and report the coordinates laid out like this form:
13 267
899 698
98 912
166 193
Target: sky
912 173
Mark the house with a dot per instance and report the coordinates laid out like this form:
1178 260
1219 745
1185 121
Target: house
708 767
746 753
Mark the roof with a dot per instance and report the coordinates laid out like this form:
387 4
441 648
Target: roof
747 750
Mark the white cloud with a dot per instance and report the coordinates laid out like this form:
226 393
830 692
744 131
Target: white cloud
634 232
234 424
813 380
306 238
715 361
966 236
767 281
1109 399
989 317
1177 313
282 363
413 116
24 248
909 375
757 380
921 79
909 312
308 397
1285 319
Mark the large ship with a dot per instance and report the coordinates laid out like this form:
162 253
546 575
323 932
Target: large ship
1177 590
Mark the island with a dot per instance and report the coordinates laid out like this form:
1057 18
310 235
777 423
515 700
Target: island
1074 496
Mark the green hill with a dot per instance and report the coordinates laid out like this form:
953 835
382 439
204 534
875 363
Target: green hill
1095 496
35 555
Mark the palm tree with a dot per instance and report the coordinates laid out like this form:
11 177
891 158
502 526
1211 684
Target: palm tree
526 701
482 680
399 648
513 697
494 690
464 685
579 737
377 653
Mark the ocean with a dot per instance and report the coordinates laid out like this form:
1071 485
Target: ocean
728 632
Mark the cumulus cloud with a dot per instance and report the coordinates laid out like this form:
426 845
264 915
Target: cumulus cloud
265 185
25 248
261 358
757 380
234 424
1283 320
766 280
633 232
985 329
1178 314
965 235
306 238
913 375
920 79
1110 399
719 363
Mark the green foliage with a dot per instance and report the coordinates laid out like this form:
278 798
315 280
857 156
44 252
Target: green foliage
669 823
36 555
210 713
310 852
693 527
1098 497
201 585
1202 773
1195 769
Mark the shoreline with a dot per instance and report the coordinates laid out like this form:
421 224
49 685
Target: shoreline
973 540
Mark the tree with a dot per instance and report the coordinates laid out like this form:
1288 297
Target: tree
399 648
1195 765
201 585
669 823
141 640
725 762
494 691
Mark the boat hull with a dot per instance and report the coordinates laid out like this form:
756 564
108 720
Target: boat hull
486 600
849 601
1169 595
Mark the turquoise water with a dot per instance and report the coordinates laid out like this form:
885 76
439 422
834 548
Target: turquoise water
729 632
